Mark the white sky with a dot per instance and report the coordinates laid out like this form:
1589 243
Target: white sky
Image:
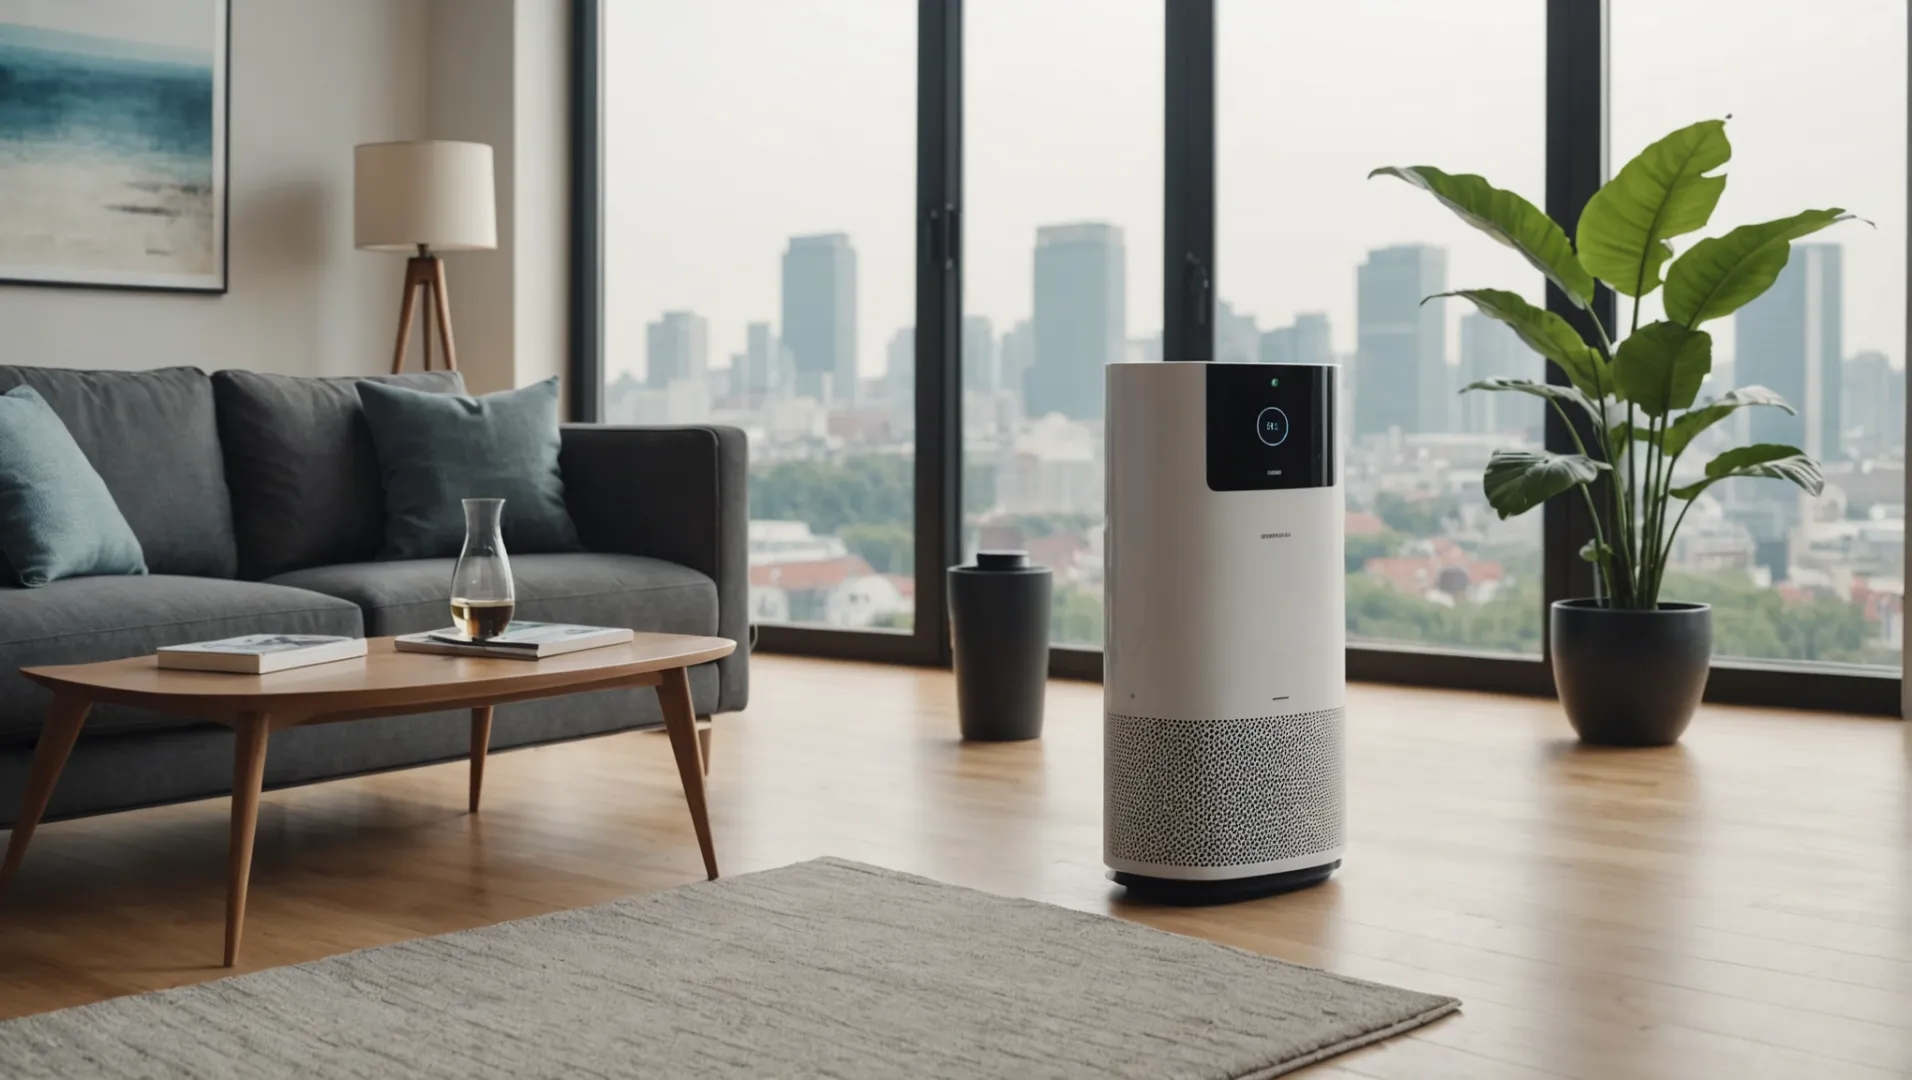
734 124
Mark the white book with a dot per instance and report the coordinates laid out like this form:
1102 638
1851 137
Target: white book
260 654
520 641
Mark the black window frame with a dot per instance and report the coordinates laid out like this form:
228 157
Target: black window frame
1577 82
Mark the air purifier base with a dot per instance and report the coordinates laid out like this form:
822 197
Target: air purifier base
1176 892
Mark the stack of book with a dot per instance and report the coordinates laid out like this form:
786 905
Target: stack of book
259 654
520 641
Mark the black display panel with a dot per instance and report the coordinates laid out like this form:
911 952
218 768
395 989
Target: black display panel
1270 426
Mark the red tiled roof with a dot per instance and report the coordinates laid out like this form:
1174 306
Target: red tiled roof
809 576
1362 523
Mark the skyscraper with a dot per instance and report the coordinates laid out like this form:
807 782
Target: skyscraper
1017 356
899 364
1875 405
1080 318
819 315
1305 341
979 354
765 364
677 346
1400 365
1791 340
1237 341
1489 348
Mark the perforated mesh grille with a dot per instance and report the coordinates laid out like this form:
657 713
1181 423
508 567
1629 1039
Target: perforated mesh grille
1224 792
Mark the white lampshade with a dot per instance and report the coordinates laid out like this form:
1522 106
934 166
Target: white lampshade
431 192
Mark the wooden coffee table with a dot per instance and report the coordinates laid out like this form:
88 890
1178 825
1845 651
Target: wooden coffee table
384 683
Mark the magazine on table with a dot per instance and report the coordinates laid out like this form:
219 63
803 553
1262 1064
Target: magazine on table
260 654
520 640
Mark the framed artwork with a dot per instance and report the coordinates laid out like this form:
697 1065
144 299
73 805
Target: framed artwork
113 143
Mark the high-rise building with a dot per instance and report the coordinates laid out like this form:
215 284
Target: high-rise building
1792 340
1875 406
1237 340
676 346
819 315
1305 341
765 369
1400 365
979 354
1017 356
1490 347
1080 318
899 364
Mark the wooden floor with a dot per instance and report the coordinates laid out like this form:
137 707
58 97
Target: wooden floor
1739 906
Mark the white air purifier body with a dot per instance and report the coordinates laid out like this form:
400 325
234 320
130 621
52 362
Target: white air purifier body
1225 674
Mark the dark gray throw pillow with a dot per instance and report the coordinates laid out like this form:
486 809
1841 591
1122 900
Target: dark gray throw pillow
57 520
303 472
437 450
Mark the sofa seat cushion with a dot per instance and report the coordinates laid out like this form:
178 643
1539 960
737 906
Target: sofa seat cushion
81 620
153 437
413 596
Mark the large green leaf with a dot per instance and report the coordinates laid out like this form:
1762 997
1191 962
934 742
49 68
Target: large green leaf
1660 366
1664 192
1681 432
1516 481
1722 274
1571 395
1547 334
1761 459
1507 218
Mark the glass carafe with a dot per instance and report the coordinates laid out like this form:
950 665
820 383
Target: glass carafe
482 597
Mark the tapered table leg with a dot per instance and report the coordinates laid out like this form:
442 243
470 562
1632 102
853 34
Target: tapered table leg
57 735
480 746
703 741
680 721
248 777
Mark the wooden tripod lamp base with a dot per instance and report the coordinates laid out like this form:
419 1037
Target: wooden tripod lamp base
419 198
425 287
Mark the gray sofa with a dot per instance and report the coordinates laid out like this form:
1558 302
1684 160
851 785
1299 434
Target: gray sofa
257 501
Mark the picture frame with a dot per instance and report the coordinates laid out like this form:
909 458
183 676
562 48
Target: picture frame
114 162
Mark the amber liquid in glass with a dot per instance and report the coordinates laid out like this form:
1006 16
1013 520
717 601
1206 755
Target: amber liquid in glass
479 619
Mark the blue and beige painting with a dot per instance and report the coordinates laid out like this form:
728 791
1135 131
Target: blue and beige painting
108 142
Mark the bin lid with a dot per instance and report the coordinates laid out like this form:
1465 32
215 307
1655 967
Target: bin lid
1002 560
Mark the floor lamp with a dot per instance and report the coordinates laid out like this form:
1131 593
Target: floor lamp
423 198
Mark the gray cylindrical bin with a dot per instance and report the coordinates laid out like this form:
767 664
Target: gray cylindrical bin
999 633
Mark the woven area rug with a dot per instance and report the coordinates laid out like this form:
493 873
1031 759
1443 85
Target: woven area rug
822 969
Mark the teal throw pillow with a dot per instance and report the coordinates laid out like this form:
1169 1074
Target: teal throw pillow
57 520
437 450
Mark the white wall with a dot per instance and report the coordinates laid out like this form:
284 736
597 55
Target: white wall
309 80
500 74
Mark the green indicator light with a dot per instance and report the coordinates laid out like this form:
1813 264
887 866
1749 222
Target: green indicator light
1274 382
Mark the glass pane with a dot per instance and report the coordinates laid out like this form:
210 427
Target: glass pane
1063 273
760 186
1818 119
1316 263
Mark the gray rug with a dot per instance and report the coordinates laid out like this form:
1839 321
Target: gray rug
822 969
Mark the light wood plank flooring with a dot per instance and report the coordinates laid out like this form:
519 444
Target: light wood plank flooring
1739 906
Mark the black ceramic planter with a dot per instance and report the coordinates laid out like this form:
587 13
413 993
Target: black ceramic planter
1630 678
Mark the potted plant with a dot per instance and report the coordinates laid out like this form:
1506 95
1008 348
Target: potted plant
1630 667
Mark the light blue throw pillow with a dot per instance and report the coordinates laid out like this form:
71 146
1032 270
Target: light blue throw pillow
57 520
437 450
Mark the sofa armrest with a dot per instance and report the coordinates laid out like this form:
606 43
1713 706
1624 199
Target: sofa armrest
675 493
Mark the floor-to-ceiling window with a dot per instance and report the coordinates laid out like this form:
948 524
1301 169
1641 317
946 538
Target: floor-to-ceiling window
1816 112
1063 152
759 177
898 242
1317 264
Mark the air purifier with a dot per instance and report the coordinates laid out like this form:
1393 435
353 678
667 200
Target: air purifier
1224 673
